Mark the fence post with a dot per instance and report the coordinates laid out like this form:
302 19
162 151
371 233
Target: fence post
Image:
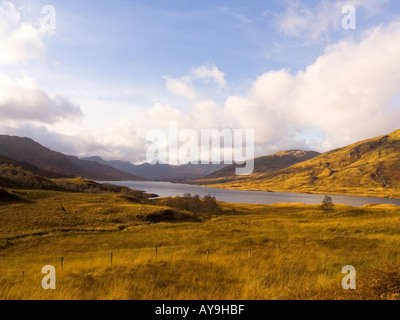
62 262
111 257
208 253
156 252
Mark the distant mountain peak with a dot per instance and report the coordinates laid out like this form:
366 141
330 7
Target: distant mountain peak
94 158
161 171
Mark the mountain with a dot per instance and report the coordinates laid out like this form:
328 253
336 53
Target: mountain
26 150
29 167
262 165
162 172
370 167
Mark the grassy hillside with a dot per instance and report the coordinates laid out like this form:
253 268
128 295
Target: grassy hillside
29 167
370 167
27 150
262 165
17 178
244 252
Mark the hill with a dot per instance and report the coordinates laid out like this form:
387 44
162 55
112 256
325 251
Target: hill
29 167
162 172
28 151
262 165
370 167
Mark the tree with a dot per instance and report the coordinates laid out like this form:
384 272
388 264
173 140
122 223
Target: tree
327 205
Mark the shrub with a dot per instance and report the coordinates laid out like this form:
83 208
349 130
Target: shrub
207 205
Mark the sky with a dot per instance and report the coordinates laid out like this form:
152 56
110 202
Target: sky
107 72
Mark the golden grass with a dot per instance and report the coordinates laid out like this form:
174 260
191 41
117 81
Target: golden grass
255 251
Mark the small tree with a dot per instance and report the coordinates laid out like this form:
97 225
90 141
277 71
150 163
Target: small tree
327 205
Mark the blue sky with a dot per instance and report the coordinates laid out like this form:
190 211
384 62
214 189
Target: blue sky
118 63
140 41
131 39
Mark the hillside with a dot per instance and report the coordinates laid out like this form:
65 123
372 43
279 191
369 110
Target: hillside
31 152
162 172
370 167
29 167
262 165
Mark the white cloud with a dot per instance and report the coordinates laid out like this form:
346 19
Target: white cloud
22 99
181 87
20 41
184 86
346 94
207 72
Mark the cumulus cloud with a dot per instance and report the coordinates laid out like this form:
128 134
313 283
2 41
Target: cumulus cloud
209 72
346 94
184 86
22 99
314 24
20 41
181 87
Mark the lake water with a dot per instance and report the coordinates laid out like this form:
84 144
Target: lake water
168 189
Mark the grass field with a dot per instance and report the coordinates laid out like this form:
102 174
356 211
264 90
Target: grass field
245 252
